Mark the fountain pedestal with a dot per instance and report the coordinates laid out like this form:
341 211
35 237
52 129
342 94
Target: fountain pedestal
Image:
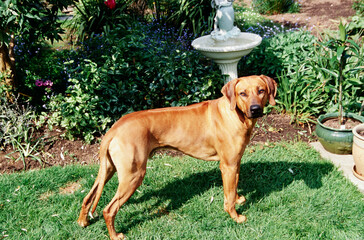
228 68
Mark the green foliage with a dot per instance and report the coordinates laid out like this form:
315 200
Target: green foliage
40 63
33 20
132 76
14 119
358 6
94 17
308 73
282 52
356 25
301 96
79 111
194 15
342 57
17 129
272 7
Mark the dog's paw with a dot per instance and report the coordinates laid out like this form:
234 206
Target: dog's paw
83 222
240 200
240 219
118 236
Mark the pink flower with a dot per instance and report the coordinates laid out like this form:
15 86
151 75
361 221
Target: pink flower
48 84
39 83
111 4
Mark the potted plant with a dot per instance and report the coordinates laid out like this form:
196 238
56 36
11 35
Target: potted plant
338 139
358 151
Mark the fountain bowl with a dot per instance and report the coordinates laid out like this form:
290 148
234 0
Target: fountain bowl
227 53
233 48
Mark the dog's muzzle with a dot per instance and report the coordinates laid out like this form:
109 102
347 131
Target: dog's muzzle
256 111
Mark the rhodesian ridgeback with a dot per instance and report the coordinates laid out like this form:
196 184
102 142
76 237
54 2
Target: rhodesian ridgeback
213 130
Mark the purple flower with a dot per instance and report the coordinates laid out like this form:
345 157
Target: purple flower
39 83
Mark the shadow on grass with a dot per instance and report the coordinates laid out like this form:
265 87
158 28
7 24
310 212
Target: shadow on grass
257 180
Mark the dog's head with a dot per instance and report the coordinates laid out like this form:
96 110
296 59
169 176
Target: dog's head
250 94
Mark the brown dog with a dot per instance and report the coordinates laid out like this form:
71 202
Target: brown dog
213 130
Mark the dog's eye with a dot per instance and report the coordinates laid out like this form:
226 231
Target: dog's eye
261 91
243 94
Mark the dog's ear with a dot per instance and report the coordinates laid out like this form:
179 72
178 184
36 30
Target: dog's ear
272 88
229 91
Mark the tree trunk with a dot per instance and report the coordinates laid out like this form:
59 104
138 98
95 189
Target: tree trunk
7 65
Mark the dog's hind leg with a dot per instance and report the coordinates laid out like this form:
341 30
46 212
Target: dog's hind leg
131 171
106 171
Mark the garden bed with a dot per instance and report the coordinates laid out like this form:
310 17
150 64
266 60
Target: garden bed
270 128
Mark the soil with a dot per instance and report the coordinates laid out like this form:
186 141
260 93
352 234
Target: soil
349 123
361 133
315 14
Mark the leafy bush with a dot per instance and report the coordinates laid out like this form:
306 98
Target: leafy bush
358 6
282 52
42 63
339 61
272 7
301 96
95 17
36 64
305 88
311 89
33 20
137 73
356 25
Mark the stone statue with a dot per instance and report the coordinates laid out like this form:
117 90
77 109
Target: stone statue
224 20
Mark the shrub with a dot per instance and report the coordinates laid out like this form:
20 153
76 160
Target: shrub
282 52
339 61
305 89
95 17
137 73
358 6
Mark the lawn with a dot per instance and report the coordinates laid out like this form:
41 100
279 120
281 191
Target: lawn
292 193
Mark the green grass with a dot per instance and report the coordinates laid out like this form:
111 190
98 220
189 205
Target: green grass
291 194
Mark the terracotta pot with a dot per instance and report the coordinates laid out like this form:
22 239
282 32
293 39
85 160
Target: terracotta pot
336 140
358 152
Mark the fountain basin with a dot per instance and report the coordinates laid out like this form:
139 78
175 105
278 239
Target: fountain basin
227 53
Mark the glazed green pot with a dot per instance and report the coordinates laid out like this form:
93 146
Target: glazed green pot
335 140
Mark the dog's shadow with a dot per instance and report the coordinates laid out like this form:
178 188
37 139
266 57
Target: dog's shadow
257 180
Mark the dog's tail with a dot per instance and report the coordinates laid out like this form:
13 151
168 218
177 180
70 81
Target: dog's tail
107 168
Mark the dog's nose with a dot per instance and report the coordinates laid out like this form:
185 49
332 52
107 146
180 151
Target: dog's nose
256 111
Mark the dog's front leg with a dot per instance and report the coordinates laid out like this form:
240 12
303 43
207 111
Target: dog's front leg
230 176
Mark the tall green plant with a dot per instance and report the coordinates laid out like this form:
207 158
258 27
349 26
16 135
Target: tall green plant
340 50
95 17
195 15
300 95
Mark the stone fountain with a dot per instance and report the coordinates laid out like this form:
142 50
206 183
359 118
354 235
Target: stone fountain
226 44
